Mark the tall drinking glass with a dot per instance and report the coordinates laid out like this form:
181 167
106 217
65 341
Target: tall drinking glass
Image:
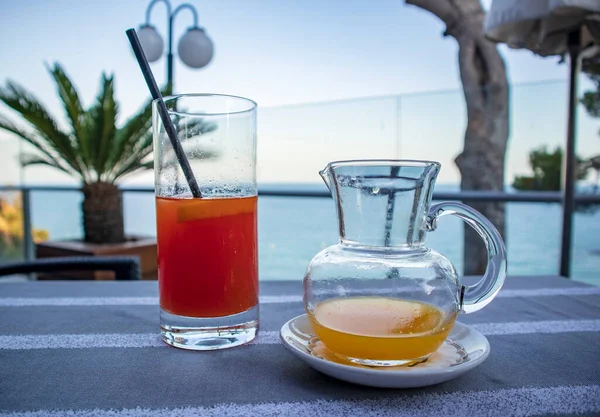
207 246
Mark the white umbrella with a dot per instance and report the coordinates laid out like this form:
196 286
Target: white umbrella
552 27
542 26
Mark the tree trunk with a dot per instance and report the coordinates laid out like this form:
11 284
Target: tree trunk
483 76
102 213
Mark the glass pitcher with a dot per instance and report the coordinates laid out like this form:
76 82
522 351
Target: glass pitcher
380 297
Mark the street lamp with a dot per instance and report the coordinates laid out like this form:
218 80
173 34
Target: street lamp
195 47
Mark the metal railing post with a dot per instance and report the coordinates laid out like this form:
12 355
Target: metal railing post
397 134
28 249
570 159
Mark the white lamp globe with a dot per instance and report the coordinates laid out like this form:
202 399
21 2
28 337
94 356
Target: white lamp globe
151 42
195 48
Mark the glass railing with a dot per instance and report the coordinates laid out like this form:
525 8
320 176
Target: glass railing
295 142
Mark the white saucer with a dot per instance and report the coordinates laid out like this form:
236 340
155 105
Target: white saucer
464 349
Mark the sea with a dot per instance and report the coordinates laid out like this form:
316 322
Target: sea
292 230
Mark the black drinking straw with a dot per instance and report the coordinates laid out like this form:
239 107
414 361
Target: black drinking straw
163 112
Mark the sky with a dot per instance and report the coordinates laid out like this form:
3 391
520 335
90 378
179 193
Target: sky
284 53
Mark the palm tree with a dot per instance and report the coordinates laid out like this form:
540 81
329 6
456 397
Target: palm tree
93 148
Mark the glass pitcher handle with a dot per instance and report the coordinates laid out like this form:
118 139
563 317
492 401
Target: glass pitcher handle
475 297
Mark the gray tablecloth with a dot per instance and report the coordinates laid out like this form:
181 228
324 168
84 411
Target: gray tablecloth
92 348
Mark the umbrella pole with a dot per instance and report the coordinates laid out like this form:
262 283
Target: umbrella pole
570 161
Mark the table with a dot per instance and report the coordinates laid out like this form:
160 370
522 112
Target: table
93 348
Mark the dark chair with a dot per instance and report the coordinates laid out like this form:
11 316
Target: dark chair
125 268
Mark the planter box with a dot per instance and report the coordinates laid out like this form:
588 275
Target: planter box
142 247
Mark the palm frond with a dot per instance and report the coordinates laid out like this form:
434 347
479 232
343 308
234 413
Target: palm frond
195 128
142 148
27 159
7 125
24 103
129 136
101 124
131 166
127 161
132 132
192 131
73 109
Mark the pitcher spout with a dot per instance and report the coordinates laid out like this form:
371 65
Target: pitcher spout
326 174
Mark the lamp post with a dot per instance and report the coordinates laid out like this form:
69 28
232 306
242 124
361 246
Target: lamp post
195 47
